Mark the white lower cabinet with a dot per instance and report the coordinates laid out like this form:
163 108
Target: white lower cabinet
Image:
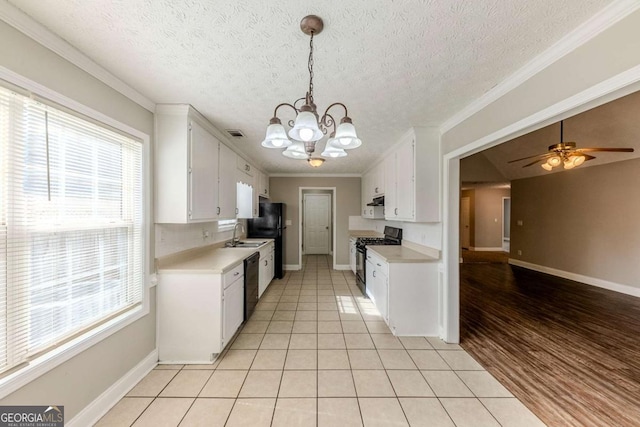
232 309
266 270
198 314
352 254
405 294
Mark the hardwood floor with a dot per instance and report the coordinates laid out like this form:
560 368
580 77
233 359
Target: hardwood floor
570 352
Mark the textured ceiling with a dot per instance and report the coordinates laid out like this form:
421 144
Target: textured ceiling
614 124
393 63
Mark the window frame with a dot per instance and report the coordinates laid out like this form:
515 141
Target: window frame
24 374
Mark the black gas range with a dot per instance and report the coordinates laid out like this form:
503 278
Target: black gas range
392 236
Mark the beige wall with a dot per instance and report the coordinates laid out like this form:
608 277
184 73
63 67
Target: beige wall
80 380
488 217
584 221
286 190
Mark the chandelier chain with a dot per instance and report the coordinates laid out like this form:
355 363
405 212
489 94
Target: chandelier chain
310 65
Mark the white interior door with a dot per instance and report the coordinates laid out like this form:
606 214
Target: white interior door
316 223
465 222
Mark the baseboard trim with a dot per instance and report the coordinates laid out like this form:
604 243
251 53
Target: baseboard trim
592 281
487 249
292 267
101 405
342 267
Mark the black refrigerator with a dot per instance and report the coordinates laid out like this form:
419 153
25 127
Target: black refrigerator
270 224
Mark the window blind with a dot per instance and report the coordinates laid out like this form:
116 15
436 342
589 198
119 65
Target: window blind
71 226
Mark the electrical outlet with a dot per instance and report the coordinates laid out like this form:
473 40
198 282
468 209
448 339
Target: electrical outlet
205 234
520 222
519 252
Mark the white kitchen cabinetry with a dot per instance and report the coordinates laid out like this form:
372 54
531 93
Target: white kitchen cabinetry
372 187
405 294
187 164
227 197
412 177
198 314
248 197
378 284
264 184
352 254
266 270
245 166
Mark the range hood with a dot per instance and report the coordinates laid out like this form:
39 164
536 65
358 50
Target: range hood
377 201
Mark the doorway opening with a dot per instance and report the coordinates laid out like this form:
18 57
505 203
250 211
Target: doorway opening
317 222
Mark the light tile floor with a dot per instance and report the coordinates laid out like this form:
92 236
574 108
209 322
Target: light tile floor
317 353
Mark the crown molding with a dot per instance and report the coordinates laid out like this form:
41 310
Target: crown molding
314 175
586 31
28 26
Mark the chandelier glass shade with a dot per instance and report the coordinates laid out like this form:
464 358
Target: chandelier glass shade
309 127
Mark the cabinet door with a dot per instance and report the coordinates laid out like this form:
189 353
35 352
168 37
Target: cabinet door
203 174
378 180
232 310
272 266
405 181
263 275
382 293
352 255
227 191
390 198
265 185
245 200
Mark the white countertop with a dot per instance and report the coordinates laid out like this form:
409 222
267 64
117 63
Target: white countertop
209 259
399 254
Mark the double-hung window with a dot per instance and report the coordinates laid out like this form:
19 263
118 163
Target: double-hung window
71 227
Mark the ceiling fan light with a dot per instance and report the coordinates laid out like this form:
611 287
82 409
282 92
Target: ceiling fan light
546 166
578 159
276 137
554 161
306 128
568 164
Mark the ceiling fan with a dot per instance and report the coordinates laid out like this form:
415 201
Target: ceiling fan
567 154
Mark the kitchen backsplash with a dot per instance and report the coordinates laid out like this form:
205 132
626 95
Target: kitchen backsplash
173 238
426 234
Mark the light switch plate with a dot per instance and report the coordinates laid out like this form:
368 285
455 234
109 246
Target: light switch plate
287 222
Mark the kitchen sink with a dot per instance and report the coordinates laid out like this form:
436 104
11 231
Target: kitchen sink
247 244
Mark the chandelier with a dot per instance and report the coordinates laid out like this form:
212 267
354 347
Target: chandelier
309 127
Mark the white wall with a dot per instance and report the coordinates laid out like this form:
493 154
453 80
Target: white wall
426 234
173 238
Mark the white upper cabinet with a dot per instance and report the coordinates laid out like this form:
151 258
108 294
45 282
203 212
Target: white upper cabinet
264 184
195 172
245 166
373 186
412 177
186 164
377 180
227 198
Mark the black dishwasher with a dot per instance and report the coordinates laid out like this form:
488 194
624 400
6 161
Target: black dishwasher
251 267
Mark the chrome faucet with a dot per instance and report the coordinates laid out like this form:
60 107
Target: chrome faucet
234 240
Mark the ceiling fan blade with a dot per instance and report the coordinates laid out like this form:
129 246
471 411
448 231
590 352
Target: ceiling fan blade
533 163
541 157
588 157
617 150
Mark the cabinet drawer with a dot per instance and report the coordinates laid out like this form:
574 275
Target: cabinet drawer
378 263
231 276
